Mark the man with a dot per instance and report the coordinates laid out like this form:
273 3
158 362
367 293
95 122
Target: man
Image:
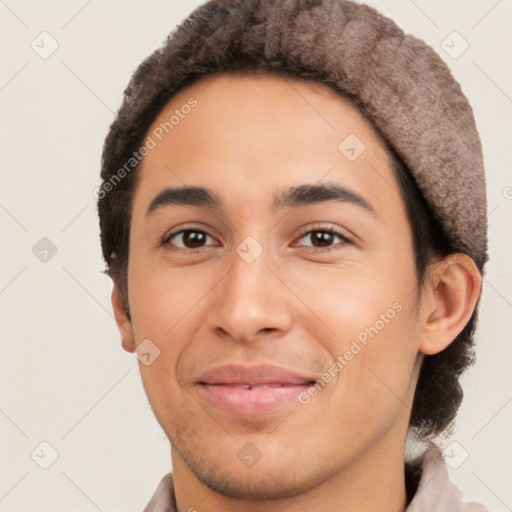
293 213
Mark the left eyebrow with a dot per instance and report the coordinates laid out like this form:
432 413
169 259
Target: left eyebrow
304 195
292 197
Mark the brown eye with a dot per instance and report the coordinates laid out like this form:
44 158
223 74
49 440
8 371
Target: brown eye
323 238
188 239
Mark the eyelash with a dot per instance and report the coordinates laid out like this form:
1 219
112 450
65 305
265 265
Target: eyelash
344 240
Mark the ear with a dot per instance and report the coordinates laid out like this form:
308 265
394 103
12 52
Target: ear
123 319
448 299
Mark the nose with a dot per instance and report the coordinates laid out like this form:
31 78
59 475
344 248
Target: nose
250 302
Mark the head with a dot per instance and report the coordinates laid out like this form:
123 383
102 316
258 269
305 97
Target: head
376 315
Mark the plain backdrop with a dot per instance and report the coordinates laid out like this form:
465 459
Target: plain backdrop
65 379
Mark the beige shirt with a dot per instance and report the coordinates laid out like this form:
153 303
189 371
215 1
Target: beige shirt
435 491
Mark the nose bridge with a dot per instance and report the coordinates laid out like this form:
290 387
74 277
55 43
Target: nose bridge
250 299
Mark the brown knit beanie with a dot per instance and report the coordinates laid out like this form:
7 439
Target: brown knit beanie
398 82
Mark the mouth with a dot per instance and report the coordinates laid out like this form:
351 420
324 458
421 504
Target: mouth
257 386
252 391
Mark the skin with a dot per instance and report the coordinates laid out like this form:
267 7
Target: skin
293 306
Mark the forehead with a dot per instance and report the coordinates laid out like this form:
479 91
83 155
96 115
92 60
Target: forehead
253 134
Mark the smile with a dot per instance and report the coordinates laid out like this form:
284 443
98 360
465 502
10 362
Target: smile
252 391
248 400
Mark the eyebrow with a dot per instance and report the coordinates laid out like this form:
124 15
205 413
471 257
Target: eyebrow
293 197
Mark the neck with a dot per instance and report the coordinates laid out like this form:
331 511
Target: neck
375 481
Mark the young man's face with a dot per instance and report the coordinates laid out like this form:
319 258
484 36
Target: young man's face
258 301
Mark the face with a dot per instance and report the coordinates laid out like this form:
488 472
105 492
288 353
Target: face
283 297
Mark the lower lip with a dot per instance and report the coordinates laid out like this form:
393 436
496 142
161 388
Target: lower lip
251 402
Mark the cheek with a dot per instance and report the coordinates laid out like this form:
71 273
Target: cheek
350 302
161 297
373 336
159 304
377 365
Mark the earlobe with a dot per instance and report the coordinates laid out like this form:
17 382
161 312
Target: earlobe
449 298
123 320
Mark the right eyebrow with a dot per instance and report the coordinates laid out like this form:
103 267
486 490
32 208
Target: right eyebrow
191 196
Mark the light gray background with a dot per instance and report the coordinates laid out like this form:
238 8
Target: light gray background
64 377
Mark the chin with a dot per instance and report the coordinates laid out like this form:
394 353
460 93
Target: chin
281 478
251 486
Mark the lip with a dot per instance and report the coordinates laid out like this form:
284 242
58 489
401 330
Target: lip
252 390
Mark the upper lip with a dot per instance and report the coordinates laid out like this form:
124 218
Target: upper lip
256 375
